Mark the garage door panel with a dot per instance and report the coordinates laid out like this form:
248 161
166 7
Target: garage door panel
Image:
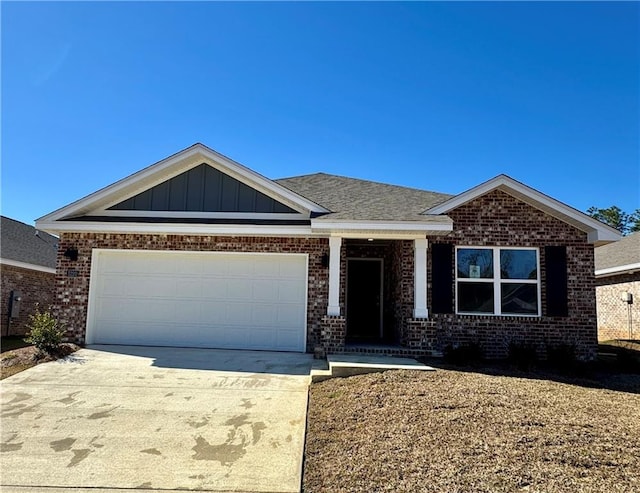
239 289
189 265
264 313
291 291
264 290
240 267
213 312
214 289
212 299
188 312
266 269
288 270
238 314
189 288
289 318
112 285
263 337
287 339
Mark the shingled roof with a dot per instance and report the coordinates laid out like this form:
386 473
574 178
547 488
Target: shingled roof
625 252
23 243
355 199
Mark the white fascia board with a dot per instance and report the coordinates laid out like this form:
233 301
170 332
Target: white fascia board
328 225
620 269
26 265
180 162
179 228
603 237
597 231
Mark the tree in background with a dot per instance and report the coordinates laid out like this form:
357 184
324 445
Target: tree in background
617 218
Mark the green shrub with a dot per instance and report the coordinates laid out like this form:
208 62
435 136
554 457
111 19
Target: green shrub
524 356
44 332
563 357
469 353
627 361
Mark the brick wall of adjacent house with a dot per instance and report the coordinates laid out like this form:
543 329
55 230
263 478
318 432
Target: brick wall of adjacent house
616 318
72 280
498 219
36 288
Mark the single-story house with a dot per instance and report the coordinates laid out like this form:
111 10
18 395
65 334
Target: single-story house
198 250
618 289
28 268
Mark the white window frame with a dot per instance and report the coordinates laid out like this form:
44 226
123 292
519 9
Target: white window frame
497 281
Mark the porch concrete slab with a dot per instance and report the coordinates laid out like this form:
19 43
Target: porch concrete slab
343 365
376 361
114 417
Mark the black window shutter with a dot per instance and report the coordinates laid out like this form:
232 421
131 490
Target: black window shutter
555 258
442 278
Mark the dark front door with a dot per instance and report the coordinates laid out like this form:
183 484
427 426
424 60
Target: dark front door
364 300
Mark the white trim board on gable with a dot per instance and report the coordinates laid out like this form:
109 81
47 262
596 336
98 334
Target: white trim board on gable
170 167
598 232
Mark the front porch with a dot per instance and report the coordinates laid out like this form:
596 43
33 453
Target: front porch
377 298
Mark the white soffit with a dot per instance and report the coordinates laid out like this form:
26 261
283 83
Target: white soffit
382 229
173 166
598 232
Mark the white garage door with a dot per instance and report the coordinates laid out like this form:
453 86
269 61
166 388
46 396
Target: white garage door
198 299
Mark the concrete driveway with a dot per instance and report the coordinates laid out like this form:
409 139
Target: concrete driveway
119 417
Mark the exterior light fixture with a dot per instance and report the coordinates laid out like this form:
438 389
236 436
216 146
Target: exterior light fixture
71 254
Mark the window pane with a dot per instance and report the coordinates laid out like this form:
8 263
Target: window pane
519 298
475 262
475 297
518 264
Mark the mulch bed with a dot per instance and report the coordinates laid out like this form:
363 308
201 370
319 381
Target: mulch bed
17 360
454 431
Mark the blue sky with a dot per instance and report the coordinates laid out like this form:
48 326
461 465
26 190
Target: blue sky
440 96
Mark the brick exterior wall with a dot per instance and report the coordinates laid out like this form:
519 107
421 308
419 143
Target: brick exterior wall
498 219
72 280
334 330
614 314
495 219
36 288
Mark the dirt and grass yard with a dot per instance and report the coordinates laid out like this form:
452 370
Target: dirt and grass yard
473 431
17 355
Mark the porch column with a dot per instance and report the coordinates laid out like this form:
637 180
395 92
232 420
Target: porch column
420 278
335 242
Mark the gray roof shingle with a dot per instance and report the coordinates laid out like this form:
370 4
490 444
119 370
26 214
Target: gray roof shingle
24 243
623 252
354 199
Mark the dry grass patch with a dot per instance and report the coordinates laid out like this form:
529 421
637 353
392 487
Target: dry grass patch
451 431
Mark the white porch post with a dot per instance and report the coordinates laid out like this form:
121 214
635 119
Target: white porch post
335 242
420 279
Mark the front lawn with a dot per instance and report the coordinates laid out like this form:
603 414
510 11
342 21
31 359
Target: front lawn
473 431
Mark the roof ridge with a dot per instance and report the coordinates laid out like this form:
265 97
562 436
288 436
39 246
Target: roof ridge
16 221
364 181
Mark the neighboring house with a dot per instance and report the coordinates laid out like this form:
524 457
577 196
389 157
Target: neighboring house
28 271
198 250
618 289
